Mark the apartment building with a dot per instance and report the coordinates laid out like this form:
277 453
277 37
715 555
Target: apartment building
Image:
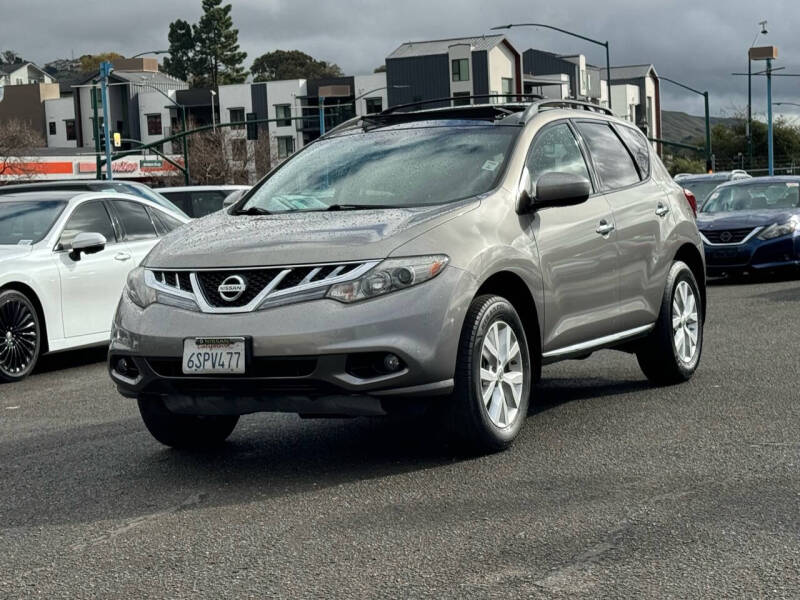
24 73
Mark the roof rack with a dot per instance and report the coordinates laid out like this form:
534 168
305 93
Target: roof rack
539 104
522 98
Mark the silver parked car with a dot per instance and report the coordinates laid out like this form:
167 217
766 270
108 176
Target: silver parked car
416 258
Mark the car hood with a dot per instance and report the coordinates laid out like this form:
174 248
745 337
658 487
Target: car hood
743 218
10 253
223 240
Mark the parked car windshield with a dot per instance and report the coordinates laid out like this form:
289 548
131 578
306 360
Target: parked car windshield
762 196
410 165
701 188
27 222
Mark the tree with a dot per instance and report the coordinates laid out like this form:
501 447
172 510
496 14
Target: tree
9 57
91 62
218 59
381 69
291 64
17 140
179 63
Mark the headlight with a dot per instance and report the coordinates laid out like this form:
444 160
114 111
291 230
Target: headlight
778 229
141 294
391 275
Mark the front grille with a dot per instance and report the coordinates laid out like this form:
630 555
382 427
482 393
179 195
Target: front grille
727 236
255 282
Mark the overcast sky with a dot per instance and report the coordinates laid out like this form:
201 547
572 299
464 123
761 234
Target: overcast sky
698 42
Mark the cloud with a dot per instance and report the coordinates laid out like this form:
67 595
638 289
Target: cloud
699 44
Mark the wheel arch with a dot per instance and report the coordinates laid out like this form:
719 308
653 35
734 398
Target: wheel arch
512 287
31 294
689 254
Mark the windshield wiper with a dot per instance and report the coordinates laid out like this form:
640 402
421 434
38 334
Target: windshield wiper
254 210
360 206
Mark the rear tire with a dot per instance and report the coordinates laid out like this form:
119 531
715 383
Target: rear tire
493 377
20 336
184 431
671 353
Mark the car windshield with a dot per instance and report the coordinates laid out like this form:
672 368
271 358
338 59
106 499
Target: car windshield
701 188
410 165
762 196
26 222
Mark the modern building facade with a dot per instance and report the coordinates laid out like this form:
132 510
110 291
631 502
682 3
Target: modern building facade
24 73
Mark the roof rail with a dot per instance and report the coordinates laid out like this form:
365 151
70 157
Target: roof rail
520 98
538 104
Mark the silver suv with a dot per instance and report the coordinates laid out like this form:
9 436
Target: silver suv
418 259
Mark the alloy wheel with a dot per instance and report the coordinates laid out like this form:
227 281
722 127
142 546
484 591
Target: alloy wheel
18 337
685 321
501 374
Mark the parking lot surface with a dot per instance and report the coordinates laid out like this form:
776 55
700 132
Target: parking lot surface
615 488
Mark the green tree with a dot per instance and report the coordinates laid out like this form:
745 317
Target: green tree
89 63
291 64
179 63
9 57
381 69
217 58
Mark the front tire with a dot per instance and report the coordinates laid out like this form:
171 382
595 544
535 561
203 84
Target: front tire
20 336
493 377
184 431
671 353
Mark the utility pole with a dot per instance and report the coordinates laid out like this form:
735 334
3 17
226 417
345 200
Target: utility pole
105 71
96 129
770 157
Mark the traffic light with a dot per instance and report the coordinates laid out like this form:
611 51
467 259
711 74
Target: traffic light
117 139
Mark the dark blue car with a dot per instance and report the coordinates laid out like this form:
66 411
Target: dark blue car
752 225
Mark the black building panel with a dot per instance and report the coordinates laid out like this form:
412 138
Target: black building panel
480 72
427 78
536 62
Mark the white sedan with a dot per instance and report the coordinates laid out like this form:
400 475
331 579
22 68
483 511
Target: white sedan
64 259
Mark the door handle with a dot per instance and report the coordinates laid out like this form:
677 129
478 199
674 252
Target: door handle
661 209
604 228
122 256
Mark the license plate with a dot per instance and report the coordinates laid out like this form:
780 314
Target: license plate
213 356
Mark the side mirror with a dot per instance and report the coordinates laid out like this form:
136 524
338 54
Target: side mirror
561 189
524 198
86 243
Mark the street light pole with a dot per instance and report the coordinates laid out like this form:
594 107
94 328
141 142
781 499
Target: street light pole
770 158
707 116
105 71
749 132
577 35
213 116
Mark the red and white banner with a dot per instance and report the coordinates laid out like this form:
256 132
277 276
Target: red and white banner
81 167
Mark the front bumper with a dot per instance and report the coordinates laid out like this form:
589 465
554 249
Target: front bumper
753 255
304 357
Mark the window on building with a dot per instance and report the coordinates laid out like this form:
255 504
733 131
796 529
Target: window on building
239 149
612 161
69 126
236 115
284 113
154 124
374 105
51 127
461 99
508 87
461 69
285 146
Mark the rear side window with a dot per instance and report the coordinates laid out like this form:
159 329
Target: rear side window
135 221
614 165
639 147
164 223
90 217
181 200
206 202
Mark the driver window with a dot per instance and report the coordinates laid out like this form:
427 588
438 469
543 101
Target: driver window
556 149
90 217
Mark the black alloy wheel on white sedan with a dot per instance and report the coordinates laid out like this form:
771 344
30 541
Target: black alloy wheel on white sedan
20 336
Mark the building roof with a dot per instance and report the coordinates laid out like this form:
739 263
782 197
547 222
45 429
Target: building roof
151 77
631 72
426 48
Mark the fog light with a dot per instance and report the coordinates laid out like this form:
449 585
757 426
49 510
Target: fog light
391 362
122 366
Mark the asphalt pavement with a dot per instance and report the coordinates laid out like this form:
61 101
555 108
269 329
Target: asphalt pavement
614 489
